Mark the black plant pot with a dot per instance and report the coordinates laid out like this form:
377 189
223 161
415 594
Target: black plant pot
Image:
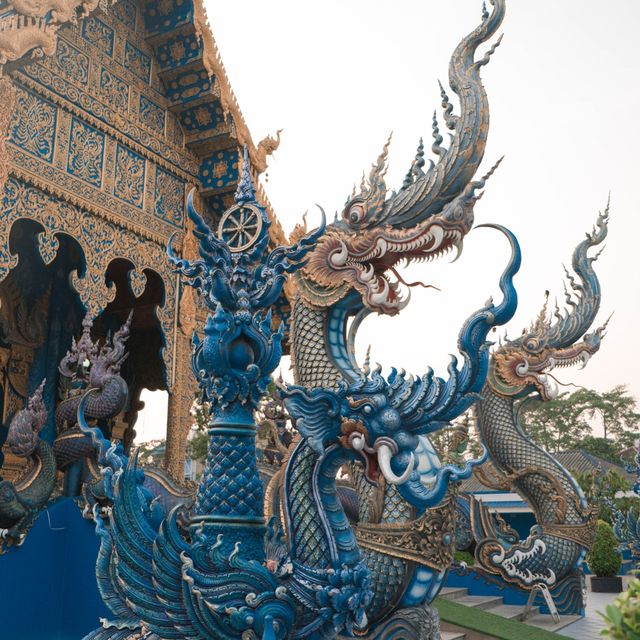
606 585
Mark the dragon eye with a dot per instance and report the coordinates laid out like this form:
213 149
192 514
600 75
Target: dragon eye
532 344
355 214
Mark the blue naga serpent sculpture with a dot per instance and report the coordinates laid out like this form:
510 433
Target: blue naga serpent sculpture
565 524
626 526
351 273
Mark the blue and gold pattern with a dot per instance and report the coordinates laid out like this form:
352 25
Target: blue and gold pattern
121 78
204 117
72 62
189 87
113 90
178 51
151 114
220 170
99 34
129 176
137 62
168 197
125 11
34 125
86 152
166 15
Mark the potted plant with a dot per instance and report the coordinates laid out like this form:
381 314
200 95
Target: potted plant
604 561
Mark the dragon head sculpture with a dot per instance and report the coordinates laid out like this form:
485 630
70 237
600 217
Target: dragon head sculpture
522 366
431 213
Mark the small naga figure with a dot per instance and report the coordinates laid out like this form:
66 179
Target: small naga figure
88 365
565 524
21 500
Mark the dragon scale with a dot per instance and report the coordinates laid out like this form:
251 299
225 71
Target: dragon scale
511 449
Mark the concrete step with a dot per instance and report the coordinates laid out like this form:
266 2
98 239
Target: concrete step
546 622
512 611
453 593
452 635
479 602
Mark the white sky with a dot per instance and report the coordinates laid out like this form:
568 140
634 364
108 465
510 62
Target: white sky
563 89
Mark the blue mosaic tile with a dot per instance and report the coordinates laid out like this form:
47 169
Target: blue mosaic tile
86 152
33 127
179 51
137 62
128 182
220 170
114 90
168 197
151 114
98 33
165 15
202 118
188 87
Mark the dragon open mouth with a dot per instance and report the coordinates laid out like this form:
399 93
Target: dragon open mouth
368 261
514 369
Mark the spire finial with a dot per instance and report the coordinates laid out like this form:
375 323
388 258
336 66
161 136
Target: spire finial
245 192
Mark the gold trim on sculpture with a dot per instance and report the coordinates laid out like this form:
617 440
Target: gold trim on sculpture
423 540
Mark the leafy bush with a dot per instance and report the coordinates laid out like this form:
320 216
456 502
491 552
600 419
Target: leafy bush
603 559
464 556
623 616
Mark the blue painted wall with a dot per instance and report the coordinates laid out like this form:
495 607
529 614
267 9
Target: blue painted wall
521 522
48 587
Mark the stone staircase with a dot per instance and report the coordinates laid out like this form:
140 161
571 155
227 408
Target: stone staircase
496 606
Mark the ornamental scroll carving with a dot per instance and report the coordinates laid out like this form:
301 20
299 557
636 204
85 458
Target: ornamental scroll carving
34 25
20 35
7 107
428 540
101 242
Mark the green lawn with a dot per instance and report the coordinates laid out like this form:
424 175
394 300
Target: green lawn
489 623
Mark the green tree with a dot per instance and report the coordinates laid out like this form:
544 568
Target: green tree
151 452
555 425
623 616
600 490
616 409
199 441
602 448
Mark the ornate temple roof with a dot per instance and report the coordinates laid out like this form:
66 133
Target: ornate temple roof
189 71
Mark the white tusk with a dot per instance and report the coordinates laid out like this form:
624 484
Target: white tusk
384 461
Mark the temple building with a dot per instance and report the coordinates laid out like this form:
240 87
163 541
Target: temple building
110 113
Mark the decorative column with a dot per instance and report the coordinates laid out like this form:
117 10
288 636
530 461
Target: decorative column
179 418
184 387
238 282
